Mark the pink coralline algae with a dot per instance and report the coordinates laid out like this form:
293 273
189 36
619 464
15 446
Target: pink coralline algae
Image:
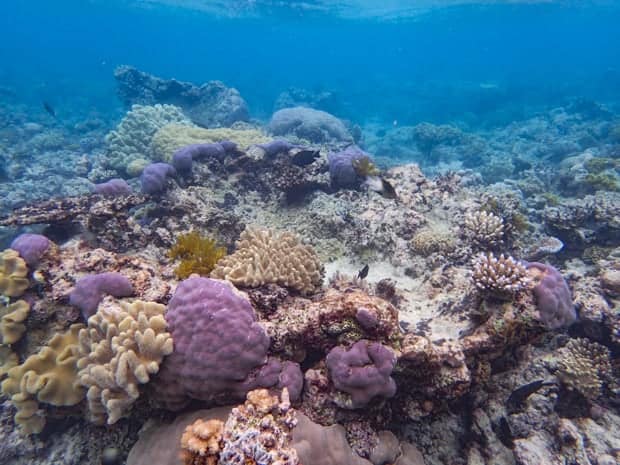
90 289
553 296
363 371
31 247
218 344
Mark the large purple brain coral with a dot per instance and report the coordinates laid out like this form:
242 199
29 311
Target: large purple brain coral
31 247
89 290
217 344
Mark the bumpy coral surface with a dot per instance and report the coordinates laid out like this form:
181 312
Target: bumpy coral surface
13 274
484 228
501 276
31 247
217 343
265 257
202 443
197 254
90 289
315 126
553 296
121 348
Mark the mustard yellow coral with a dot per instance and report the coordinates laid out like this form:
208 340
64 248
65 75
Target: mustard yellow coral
49 376
197 254
13 274
12 321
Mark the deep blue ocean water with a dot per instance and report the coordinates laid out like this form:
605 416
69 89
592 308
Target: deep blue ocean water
384 60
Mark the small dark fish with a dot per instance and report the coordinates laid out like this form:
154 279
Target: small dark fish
305 157
49 109
517 398
504 434
521 165
363 272
388 190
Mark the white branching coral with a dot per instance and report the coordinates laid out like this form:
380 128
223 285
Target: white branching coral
501 276
584 366
484 228
122 347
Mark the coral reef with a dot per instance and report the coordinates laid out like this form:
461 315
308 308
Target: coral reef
484 228
121 348
315 126
197 254
113 188
12 319
89 290
154 178
500 276
553 296
31 247
268 257
343 169
202 443
13 274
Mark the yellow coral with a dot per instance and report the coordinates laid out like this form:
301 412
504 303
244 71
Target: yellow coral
8 360
13 272
172 137
49 376
202 442
12 322
198 254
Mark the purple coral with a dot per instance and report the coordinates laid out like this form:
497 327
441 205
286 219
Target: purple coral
217 344
154 177
113 188
31 247
90 289
553 297
276 146
363 371
341 170
183 158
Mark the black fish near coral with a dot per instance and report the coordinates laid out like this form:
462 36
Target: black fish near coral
381 186
363 272
517 398
49 108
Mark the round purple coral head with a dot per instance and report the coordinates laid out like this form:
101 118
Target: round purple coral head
154 177
553 296
31 247
113 188
90 289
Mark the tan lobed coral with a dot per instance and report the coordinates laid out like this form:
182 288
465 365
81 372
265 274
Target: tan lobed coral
172 137
122 347
500 276
13 274
584 366
202 443
129 143
8 360
50 376
12 321
484 228
270 257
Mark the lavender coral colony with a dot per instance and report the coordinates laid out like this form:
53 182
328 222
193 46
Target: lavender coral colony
186 308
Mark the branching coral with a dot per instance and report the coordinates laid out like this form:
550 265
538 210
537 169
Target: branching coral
484 228
198 254
269 257
584 366
122 347
202 442
12 321
502 277
13 274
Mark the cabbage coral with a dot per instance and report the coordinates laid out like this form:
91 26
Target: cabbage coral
198 254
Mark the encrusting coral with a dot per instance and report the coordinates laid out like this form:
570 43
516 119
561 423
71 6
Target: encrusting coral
484 228
202 443
122 347
50 376
500 276
270 257
12 321
198 254
13 274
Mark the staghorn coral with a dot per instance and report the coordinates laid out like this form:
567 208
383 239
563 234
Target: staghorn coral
121 348
500 276
172 137
12 322
130 141
268 257
198 254
484 228
13 274
202 443
50 376
584 366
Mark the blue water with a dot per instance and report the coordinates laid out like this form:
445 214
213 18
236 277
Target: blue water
432 62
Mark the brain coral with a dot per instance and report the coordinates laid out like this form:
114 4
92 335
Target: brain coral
13 272
131 139
170 138
49 376
315 126
269 257
122 347
217 343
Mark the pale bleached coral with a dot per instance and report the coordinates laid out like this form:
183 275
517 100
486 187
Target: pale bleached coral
484 228
122 347
584 366
50 376
172 137
431 239
270 257
202 442
12 319
501 276
13 274
129 144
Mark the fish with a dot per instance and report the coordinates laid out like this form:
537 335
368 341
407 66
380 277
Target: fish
381 186
517 397
49 109
363 272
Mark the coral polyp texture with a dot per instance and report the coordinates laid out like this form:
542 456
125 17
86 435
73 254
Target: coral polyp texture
202 442
120 349
500 276
553 296
198 254
13 274
31 247
269 257
484 228
217 344
89 290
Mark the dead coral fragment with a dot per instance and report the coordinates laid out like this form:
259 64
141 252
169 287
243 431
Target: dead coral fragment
269 257
202 442
502 277
12 323
13 272
584 366
484 228
198 254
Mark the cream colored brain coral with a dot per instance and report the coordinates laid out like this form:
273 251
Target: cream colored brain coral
50 376
13 274
269 257
172 137
122 347
12 321
584 366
